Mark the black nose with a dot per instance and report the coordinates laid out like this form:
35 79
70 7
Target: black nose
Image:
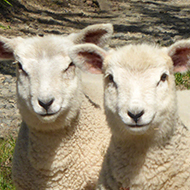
137 116
46 103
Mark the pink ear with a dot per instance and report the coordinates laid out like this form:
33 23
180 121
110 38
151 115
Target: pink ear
181 60
5 53
93 62
94 36
180 54
98 34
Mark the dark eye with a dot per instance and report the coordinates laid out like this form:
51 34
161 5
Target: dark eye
110 80
110 77
21 68
71 65
164 77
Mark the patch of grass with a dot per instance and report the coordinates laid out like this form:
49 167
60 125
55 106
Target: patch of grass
6 155
5 2
4 5
183 79
4 27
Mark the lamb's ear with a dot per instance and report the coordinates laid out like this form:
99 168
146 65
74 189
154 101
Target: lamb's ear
88 57
6 51
180 54
98 34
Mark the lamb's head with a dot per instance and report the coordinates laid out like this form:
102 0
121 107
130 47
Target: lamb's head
139 84
48 83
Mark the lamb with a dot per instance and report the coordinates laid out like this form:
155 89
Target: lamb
150 146
62 139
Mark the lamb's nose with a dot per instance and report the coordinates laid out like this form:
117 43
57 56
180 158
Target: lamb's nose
46 103
135 117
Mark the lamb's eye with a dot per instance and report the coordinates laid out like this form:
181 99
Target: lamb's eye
71 65
164 77
21 68
110 80
110 77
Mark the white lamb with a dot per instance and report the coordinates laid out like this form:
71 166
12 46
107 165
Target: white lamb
150 147
62 139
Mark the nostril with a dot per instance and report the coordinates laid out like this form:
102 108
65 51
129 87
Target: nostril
140 114
135 117
46 103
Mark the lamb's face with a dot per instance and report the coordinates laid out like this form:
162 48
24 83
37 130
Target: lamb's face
139 88
47 83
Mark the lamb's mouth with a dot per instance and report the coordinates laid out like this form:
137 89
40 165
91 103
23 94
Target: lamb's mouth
50 114
138 126
48 117
47 114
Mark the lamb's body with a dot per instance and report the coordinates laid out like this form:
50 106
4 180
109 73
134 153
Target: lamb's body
68 158
150 147
183 99
141 166
63 138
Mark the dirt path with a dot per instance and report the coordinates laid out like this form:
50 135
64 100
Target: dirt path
162 22
157 21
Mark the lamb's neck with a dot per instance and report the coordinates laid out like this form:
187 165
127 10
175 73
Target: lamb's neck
142 143
45 147
158 134
140 158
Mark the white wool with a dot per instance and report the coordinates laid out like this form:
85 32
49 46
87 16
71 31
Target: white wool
184 106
